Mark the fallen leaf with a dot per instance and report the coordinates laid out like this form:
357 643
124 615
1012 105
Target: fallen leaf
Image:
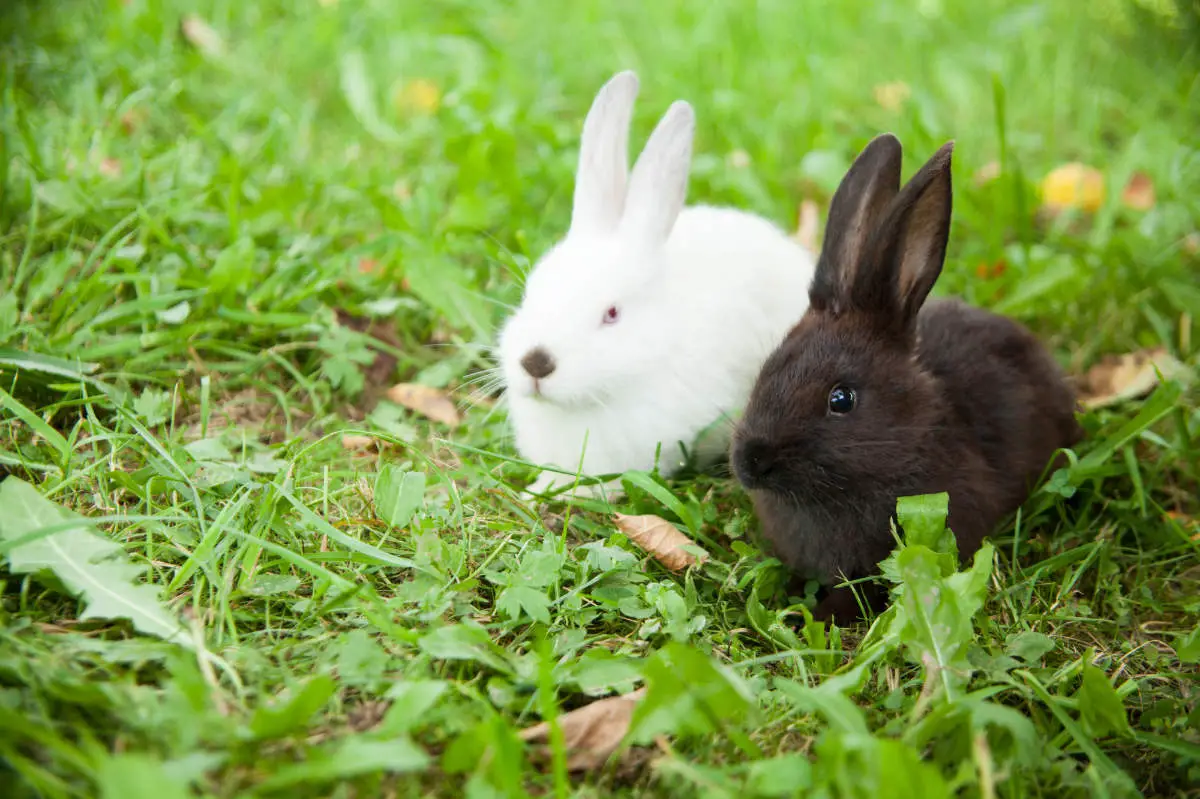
131 120
1188 523
110 168
592 732
418 96
352 442
429 402
808 226
658 537
986 271
1182 519
738 159
986 173
891 96
1118 378
1139 192
201 35
1073 185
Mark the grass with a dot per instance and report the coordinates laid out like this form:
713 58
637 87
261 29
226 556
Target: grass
181 230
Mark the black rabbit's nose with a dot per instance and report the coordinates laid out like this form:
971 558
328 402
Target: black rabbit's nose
753 461
538 363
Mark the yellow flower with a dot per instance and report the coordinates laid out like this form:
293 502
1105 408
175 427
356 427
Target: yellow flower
417 96
1073 185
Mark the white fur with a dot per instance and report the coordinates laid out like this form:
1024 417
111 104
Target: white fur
704 295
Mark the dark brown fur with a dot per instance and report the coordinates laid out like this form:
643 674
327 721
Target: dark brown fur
950 397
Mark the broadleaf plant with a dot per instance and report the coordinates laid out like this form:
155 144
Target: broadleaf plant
89 566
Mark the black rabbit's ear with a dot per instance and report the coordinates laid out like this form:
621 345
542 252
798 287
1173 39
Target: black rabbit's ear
908 248
857 208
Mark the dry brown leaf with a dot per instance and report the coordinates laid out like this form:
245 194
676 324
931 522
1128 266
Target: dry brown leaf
1073 185
1187 523
592 732
986 271
892 96
1183 519
1139 192
131 120
808 226
368 266
1117 378
986 173
110 168
352 442
201 35
658 537
430 402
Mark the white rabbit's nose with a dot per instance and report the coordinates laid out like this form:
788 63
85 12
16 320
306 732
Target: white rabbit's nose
538 363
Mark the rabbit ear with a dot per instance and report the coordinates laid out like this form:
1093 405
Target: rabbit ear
858 205
604 157
658 185
909 247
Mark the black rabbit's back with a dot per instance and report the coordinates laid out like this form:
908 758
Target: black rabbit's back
1003 388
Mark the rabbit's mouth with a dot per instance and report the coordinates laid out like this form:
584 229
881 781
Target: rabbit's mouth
540 393
533 390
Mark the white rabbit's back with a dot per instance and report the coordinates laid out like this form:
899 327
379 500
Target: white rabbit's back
743 257
743 282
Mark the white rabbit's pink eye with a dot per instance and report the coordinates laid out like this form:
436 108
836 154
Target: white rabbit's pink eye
611 315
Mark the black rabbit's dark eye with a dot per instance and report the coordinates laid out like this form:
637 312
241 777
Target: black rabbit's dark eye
842 400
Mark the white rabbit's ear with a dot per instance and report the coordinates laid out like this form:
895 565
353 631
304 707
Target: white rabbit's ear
658 185
604 157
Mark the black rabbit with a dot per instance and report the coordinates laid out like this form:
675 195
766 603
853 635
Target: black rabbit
877 394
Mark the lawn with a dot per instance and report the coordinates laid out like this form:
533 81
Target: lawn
234 564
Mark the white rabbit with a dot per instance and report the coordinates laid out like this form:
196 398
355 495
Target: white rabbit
648 322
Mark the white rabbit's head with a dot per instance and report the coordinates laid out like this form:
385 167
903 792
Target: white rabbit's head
595 315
